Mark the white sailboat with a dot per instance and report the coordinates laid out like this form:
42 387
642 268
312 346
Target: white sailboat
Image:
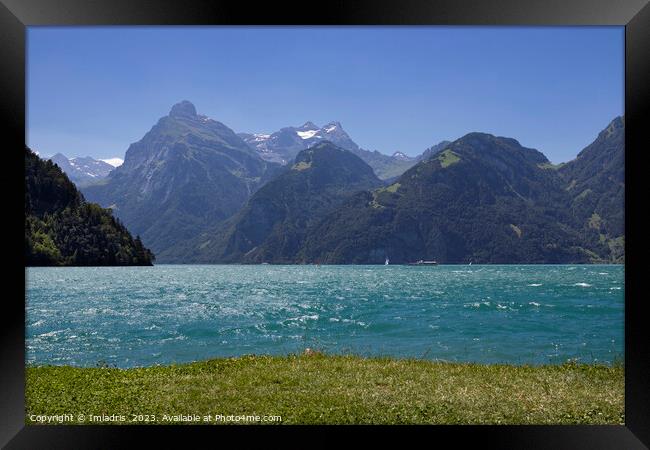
386 263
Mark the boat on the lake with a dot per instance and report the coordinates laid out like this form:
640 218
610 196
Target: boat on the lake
423 263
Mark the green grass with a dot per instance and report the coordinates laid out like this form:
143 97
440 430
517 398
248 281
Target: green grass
316 388
549 165
447 158
393 187
302 165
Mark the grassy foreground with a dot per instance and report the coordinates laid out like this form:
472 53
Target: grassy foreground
316 388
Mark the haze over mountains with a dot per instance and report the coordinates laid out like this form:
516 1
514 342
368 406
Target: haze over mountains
84 170
196 191
280 147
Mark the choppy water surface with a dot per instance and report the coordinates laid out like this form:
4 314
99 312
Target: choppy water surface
127 316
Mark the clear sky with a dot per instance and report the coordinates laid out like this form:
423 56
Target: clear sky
94 90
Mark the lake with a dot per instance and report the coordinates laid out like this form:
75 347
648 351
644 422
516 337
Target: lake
141 316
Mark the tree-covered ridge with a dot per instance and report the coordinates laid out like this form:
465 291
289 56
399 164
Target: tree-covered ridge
595 180
62 229
484 199
47 188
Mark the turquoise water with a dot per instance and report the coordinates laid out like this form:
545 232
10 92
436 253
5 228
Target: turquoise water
157 315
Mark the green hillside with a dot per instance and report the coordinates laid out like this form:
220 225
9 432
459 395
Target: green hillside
62 229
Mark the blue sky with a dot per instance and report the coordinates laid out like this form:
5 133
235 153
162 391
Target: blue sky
94 90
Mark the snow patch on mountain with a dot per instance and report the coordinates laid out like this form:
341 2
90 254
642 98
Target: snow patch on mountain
400 155
306 134
115 162
205 119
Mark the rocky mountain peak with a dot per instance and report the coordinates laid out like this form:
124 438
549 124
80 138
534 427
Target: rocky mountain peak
183 109
309 126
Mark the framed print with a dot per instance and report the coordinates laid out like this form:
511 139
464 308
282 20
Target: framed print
361 213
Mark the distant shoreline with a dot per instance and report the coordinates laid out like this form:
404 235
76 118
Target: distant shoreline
379 265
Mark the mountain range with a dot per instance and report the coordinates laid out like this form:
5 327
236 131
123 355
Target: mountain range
480 199
198 192
85 170
282 147
486 199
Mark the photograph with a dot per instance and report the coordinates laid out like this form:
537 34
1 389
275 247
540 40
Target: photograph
324 225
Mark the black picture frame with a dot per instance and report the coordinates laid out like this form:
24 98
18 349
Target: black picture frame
16 15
